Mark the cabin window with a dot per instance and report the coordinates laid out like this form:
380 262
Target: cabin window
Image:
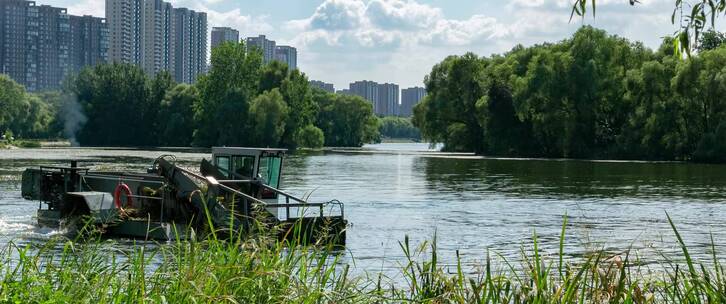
270 170
223 164
243 167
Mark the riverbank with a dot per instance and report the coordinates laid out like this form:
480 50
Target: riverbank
392 140
258 270
34 144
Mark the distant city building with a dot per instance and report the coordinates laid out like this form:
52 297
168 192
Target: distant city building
35 44
224 34
41 45
18 32
190 34
368 90
288 55
53 47
125 20
271 51
157 37
409 98
328 87
388 97
267 47
89 41
384 97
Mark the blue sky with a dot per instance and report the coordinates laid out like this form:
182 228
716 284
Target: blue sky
341 41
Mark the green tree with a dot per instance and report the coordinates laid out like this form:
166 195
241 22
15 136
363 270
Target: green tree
113 97
346 121
296 92
448 114
656 128
702 82
541 98
399 127
25 115
13 102
268 113
712 147
272 75
54 103
152 120
711 40
594 95
36 120
177 111
506 133
310 137
225 93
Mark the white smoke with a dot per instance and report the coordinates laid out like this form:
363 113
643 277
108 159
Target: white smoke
73 119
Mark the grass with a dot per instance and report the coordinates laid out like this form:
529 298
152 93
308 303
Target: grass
260 270
34 143
20 144
26 143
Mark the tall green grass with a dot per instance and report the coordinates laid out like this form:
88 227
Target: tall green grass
260 269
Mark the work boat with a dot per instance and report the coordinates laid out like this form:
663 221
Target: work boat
238 191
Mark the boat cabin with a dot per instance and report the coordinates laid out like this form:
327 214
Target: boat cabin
251 164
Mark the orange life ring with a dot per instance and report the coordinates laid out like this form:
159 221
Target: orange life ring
117 196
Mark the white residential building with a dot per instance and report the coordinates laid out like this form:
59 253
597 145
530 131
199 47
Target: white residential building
158 37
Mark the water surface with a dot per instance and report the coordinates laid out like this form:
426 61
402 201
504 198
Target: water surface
471 204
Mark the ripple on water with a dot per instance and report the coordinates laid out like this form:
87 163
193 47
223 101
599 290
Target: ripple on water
472 205
8 226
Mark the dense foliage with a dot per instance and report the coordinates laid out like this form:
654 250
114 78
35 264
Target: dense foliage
346 121
590 96
25 115
240 102
399 127
119 105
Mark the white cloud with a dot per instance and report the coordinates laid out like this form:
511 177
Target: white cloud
338 15
402 15
478 28
385 40
389 23
246 24
88 7
400 40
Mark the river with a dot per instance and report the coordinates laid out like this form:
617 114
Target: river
473 205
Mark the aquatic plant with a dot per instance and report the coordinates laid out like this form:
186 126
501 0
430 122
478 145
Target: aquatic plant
260 269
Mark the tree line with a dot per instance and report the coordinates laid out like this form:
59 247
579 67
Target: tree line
399 127
593 95
26 115
241 101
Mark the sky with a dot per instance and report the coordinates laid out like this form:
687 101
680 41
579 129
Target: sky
399 41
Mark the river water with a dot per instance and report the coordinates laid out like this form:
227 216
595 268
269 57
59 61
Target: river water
473 205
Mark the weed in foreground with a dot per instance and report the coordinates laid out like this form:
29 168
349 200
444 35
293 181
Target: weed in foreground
259 269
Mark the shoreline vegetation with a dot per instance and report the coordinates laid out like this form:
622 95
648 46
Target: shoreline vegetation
241 101
262 270
593 95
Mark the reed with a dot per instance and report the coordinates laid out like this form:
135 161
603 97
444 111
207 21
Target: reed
259 269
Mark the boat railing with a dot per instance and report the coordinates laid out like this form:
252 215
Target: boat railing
302 203
291 201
